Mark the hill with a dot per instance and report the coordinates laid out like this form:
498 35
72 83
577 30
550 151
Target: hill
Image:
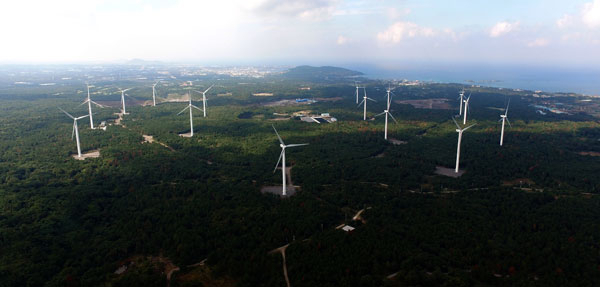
309 73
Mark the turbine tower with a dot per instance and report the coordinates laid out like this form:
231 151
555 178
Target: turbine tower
504 118
204 99
365 98
123 99
190 106
466 109
357 87
154 93
90 102
460 132
282 159
461 96
387 112
75 130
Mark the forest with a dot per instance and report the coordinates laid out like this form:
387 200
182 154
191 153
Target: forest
526 213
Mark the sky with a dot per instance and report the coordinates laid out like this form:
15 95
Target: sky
382 32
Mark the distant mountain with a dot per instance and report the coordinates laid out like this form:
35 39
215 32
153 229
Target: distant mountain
137 61
319 73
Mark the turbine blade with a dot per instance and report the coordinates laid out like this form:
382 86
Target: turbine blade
280 140
457 126
79 118
73 132
468 127
183 110
393 117
197 108
84 102
208 89
371 100
361 102
280 156
293 145
508 122
97 104
70 116
506 112
379 114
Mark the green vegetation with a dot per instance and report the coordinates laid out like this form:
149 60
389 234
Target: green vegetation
523 214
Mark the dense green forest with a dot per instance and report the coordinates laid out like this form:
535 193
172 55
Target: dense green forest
525 213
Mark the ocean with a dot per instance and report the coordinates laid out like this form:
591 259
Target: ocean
547 79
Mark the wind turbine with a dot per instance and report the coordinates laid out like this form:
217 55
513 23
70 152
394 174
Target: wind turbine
123 99
154 93
365 98
357 87
204 99
190 106
282 156
387 112
460 132
461 96
504 118
75 130
466 109
90 102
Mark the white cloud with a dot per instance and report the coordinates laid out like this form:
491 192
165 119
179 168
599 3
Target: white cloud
591 14
341 40
394 13
302 9
502 28
401 30
539 42
565 21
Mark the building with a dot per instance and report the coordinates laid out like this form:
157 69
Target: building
324 118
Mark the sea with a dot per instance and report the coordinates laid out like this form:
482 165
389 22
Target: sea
548 79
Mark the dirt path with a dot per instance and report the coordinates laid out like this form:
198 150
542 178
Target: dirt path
150 139
90 154
358 215
118 121
282 251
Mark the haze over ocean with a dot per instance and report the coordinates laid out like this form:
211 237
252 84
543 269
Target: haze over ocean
547 79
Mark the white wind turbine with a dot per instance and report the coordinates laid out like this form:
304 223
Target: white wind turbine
387 112
75 130
357 87
364 101
282 158
504 118
460 132
90 102
154 93
123 99
204 99
466 109
461 96
190 106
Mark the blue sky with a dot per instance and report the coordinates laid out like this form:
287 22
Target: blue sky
382 32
